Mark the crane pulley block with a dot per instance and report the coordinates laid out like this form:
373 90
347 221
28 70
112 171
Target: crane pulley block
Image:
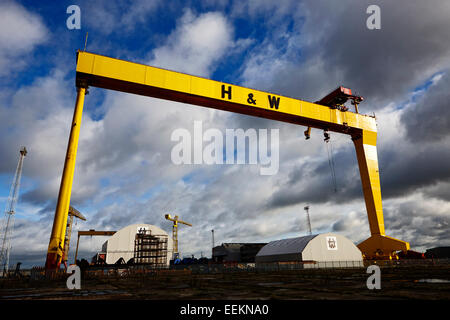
338 97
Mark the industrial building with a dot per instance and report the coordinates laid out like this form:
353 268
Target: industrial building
236 252
319 250
438 253
144 243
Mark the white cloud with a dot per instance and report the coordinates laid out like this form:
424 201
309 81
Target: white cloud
36 116
20 32
121 16
131 145
196 45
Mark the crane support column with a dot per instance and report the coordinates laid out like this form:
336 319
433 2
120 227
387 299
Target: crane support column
56 244
378 245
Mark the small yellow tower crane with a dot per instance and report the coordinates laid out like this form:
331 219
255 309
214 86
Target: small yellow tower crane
175 233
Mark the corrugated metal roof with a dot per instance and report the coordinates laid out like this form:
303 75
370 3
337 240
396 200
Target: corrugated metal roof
285 246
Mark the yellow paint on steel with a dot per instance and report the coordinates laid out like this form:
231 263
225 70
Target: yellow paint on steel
127 76
175 230
56 243
96 233
176 220
368 163
109 73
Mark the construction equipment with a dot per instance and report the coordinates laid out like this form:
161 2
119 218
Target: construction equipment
91 232
114 74
10 210
308 221
175 220
337 98
72 213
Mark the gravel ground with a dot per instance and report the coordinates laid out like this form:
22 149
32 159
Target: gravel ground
398 283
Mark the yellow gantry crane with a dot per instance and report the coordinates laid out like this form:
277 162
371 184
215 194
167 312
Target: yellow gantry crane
90 233
175 221
327 114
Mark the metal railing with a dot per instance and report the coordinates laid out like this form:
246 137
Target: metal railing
37 273
301 265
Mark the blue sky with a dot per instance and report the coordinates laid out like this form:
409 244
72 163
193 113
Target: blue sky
302 49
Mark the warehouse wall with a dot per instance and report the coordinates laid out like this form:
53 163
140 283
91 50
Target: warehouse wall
320 248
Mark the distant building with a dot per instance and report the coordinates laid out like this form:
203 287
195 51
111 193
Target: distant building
327 250
236 252
139 244
438 253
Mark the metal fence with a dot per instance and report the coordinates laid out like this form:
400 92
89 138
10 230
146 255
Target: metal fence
272 266
408 262
38 273
302 265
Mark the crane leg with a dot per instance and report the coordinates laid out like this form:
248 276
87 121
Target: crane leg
378 245
56 243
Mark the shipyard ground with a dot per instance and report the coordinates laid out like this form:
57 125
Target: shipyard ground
397 282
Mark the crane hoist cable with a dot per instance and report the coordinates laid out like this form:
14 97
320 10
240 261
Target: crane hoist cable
329 147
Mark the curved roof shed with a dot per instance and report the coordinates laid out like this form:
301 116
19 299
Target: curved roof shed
324 247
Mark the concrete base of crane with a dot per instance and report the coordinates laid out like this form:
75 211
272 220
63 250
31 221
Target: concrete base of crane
379 247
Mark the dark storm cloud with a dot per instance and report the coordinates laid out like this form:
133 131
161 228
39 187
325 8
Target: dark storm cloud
37 196
380 64
385 64
440 190
403 171
413 219
312 182
27 260
429 119
334 47
327 44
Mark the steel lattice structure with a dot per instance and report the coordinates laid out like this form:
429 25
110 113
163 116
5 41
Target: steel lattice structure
10 210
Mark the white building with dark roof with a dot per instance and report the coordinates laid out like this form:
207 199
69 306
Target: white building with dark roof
327 250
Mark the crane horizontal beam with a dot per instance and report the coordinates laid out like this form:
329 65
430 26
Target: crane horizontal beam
74 212
183 222
175 219
96 233
91 233
109 73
